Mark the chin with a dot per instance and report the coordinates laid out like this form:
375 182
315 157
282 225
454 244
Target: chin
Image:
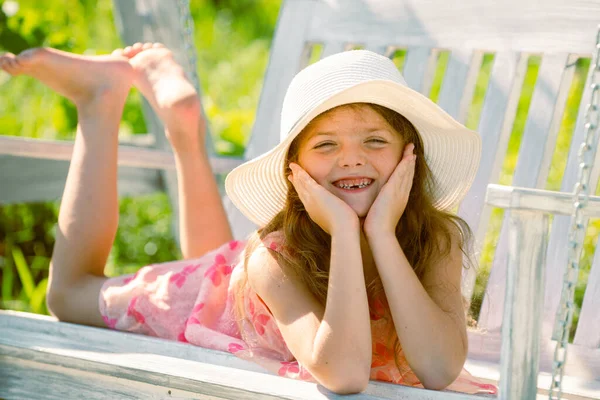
361 210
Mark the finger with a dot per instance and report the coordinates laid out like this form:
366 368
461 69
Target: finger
298 180
408 179
303 176
409 150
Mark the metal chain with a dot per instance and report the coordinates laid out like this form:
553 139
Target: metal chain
586 155
187 24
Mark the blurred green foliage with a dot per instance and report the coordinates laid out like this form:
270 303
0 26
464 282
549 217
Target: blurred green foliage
233 39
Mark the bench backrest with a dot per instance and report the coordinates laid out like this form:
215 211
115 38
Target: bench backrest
512 30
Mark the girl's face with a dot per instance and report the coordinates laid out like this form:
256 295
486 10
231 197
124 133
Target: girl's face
351 151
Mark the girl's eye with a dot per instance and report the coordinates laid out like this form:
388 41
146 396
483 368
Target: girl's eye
377 141
324 145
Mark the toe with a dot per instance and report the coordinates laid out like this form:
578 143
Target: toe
147 45
127 51
11 66
158 45
135 50
117 52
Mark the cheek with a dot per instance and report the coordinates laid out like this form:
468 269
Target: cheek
387 164
317 167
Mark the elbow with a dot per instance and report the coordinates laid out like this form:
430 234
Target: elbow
344 377
55 301
348 384
442 379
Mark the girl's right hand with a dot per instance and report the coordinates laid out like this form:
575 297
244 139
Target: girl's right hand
324 208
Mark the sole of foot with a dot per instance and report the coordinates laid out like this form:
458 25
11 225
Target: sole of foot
81 79
163 82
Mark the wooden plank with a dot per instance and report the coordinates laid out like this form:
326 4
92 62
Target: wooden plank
548 201
455 92
582 368
579 380
558 242
331 48
490 25
384 50
31 180
527 173
541 130
469 89
71 353
129 155
418 68
22 379
588 328
524 294
307 51
495 125
157 21
284 63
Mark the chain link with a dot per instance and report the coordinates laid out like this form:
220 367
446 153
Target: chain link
187 33
586 155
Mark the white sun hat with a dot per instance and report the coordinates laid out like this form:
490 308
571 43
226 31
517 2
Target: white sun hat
258 187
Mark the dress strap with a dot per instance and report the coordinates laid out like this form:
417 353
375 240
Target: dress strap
274 241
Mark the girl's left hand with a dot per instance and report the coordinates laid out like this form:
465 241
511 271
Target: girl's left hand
388 207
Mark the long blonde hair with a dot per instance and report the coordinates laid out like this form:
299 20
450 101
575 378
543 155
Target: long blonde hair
424 232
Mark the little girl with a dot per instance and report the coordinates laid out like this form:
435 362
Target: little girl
354 272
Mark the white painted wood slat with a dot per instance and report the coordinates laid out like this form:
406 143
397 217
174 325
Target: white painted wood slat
558 242
284 63
527 172
492 26
32 180
70 353
382 49
332 48
418 68
582 371
458 83
588 328
495 125
521 330
128 156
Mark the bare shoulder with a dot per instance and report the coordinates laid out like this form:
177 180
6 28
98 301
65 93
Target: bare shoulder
264 271
297 312
277 284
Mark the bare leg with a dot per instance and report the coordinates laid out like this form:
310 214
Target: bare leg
88 217
203 221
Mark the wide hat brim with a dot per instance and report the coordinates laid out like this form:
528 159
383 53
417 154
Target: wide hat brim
258 187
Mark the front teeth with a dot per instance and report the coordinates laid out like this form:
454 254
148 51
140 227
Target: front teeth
364 185
361 185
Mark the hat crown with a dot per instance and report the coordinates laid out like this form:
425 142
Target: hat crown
318 82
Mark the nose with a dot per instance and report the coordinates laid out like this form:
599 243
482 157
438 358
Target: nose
351 156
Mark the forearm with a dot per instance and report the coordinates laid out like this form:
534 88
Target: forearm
434 341
203 223
344 335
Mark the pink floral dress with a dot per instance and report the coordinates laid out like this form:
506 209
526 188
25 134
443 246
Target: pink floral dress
193 301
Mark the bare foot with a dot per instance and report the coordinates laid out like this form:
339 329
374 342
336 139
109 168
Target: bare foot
81 79
164 84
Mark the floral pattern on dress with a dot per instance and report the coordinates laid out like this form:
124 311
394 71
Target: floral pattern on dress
192 301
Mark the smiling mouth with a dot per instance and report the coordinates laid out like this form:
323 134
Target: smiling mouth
353 184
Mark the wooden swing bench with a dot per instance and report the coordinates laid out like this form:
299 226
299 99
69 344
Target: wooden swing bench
43 358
